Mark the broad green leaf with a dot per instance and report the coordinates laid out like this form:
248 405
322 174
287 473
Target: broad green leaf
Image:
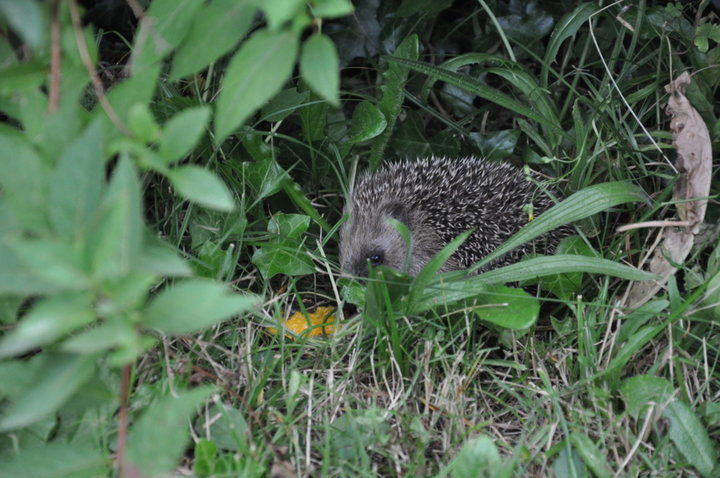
213 33
278 12
565 286
23 178
591 455
705 32
356 430
47 321
288 226
569 464
477 454
265 177
157 440
111 334
314 119
565 28
289 259
300 198
194 304
367 123
254 75
224 425
638 317
579 205
28 19
164 26
16 375
201 186
507 307
159 257
284 104
319 67
182 133
55 383
691 437
56 460
77 183
331 8
48 261
117 235
393 95
22 77
640 390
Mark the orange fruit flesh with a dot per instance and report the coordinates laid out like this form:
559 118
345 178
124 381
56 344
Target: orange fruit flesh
319 322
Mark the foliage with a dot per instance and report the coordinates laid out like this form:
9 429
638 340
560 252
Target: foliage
171 185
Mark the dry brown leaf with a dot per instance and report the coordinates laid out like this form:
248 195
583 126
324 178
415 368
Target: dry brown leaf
691 140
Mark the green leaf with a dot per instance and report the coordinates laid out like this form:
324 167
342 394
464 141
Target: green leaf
56 460
142 124
367 123
77 183
579 205
201 186
265 177
356 430
28 19
254 75
222 24
640 390
477 454
194 304
565 28
115 241
47 261
225 426
47 321
164 26
158 439
23 178
561 264
56 382
278 12
474 86
393 94
319 67
288 226
634 343
159 257
182 133
705 32
593 458
507 307
284 104
566 286
288 259
331 8
691 437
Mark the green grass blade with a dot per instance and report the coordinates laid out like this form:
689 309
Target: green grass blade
473 86
566 27
580 205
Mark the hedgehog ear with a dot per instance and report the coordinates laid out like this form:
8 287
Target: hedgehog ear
397 211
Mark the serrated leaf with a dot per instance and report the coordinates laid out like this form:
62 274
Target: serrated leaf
288 226
393 94
156 442
194 304
47 321
579 205
319 67
367 123
256 73
182 133
288 259
57 381
691 437
77 183
565 28
228 20
201 186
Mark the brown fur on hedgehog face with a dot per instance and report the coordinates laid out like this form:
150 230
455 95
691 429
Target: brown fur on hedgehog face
370 238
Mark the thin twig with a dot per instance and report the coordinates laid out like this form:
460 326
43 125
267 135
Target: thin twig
87 61
54 100
124 469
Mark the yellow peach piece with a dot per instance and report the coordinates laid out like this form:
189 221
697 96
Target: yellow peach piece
320 320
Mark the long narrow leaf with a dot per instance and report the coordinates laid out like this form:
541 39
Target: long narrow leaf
578 206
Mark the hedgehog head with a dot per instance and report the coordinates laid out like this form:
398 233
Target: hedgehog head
368 237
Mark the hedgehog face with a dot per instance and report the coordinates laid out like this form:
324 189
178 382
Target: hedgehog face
369 238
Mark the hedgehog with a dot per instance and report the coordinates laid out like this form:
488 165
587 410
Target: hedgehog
437 199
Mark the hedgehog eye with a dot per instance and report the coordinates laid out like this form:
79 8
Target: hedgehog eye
375 259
